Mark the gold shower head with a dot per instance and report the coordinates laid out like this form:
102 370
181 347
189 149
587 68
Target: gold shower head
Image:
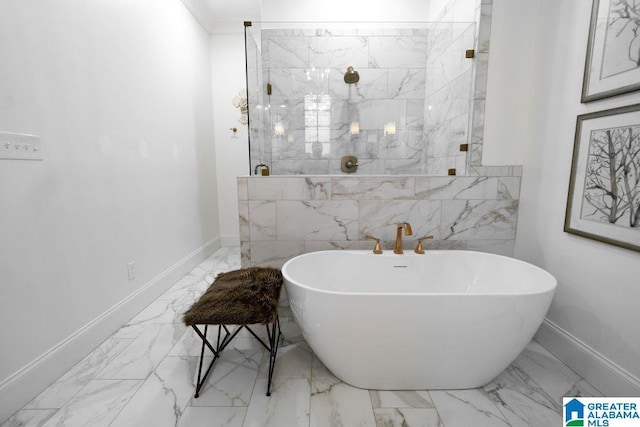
351 76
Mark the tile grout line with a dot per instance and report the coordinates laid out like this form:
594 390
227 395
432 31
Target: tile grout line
129 400
435 407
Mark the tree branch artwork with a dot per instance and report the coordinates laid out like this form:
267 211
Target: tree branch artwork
604 189
612 65
612 181
623 32
625 18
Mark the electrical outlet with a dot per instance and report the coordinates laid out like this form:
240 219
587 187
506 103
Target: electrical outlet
17 146
131 269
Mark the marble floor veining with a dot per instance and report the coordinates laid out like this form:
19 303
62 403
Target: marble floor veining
144 375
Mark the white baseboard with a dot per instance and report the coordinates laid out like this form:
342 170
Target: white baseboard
25 384
605 375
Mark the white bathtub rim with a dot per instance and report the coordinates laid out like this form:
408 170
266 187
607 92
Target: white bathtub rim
551 287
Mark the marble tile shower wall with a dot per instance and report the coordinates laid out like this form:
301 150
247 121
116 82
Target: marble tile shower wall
313 108
281 217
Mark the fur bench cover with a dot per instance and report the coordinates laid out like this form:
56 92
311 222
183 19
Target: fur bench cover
240 297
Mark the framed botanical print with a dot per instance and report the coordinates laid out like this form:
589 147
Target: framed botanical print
613 52
604 189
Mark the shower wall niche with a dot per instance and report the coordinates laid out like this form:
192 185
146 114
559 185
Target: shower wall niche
408 114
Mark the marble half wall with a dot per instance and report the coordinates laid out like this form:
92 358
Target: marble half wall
284 216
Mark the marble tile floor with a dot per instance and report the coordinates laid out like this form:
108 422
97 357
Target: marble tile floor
144 375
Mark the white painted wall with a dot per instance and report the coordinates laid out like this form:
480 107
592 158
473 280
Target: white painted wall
344 11
533 98
514 30
120 93
228 73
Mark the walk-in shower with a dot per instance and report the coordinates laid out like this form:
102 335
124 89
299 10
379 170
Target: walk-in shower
397 96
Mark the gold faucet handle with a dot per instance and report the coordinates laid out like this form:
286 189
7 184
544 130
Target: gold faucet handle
378 249
420 249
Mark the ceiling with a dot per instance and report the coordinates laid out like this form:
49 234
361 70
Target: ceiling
227 16
236 10
223 15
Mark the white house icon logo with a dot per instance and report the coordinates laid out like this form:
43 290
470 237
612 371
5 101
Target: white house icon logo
574 413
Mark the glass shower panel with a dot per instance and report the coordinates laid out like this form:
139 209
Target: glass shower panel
259 138
403 108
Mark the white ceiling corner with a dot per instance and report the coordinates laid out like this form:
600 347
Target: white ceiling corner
223 15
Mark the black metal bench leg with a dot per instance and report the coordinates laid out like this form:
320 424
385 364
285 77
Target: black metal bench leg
273 335
200 363
274 340
220 345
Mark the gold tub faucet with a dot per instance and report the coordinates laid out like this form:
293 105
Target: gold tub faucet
397 249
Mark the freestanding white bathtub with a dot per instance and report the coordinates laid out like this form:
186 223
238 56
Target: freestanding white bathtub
442 320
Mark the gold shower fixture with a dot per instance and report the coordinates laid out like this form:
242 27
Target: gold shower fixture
351 76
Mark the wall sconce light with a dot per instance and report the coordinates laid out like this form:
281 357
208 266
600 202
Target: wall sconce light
354 128
278 129
390 128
